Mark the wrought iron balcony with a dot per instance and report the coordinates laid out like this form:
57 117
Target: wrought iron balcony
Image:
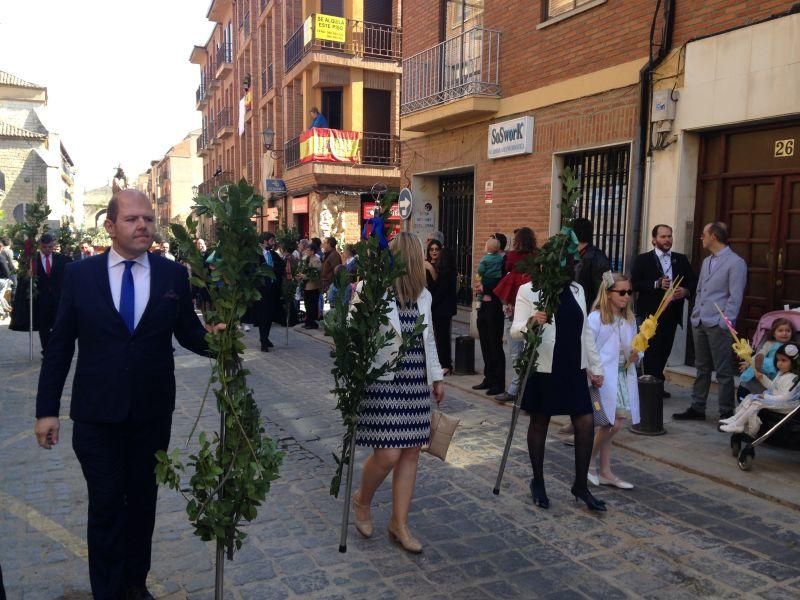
361 38
270 77
342 147
224 122
463 66
201 141
209 185
224 55
200 94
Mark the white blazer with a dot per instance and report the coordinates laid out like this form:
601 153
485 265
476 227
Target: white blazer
608 339
434 368
527 304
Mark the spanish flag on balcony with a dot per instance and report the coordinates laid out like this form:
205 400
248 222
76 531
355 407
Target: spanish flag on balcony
330 145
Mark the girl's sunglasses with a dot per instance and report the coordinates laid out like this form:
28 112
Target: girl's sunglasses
623 292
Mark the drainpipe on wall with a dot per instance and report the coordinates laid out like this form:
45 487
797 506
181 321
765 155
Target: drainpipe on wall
643 149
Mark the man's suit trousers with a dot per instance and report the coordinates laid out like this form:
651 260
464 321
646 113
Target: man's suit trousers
118 463
490 331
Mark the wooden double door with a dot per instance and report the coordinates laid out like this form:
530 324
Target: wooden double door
763 216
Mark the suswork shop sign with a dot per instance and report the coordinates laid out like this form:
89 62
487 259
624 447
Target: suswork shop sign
510 138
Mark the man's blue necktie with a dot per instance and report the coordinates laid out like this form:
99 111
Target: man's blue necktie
127 296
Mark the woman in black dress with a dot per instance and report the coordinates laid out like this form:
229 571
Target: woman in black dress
560 385
442 283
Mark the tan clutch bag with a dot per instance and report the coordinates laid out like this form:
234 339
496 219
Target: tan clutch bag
442 429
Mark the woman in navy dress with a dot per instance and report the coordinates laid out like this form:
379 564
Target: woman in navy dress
395 414
560 386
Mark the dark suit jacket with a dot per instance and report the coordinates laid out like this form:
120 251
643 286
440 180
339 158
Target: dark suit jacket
48 287
268 306
646 270
119 375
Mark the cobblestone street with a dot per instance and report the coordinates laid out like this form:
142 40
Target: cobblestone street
677 535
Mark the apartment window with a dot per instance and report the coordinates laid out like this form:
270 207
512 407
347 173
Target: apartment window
2 182
603 175
555 8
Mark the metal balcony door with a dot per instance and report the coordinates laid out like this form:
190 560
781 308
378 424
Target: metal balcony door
377 143
332 107
456 209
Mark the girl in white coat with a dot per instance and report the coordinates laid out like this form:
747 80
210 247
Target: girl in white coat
614 326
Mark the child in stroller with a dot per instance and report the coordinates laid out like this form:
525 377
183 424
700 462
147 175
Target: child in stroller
781 394
780 332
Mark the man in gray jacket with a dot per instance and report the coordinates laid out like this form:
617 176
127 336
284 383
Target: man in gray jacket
722 280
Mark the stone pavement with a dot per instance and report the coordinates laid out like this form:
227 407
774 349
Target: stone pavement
677 535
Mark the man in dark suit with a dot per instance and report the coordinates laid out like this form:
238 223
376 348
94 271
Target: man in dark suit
593 261
49 277
652 274
123 307
269 307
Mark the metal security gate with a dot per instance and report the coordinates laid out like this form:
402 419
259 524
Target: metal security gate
456 206
604 176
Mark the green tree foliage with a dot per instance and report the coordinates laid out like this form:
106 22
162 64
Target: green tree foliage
231 471
357 334
26 236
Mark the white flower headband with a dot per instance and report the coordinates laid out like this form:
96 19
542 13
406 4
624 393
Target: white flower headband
608 279
791 350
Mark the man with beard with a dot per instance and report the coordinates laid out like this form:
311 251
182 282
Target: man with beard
652 274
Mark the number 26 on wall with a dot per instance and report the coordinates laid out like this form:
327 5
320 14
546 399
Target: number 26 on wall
784 148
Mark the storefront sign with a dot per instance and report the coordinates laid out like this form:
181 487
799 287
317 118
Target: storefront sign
300 205
330 28
423 220
510 138
274 186
330 145
368 208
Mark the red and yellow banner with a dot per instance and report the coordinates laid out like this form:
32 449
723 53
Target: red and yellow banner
330 145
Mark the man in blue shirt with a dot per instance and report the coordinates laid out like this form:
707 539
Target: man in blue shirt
722 280
317 118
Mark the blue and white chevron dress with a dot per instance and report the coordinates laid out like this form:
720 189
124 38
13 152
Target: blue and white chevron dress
397 413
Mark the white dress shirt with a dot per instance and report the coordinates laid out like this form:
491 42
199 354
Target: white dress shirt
141 281
666 262
43 258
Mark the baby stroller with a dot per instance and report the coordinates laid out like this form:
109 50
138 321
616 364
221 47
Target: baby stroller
782 430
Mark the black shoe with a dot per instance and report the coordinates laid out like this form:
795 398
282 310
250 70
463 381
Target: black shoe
138 592
591 502
725 415
690 414
264 348
539 494
504 397
666 395
270 344
482 386
494 391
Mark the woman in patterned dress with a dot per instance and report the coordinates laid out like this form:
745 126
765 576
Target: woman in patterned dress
395 414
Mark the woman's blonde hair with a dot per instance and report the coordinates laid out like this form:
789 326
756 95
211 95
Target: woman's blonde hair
407 247
602 303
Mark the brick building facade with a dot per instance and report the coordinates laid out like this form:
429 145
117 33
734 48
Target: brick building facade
265 65
582 75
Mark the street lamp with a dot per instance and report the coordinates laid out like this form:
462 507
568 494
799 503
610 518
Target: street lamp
269 141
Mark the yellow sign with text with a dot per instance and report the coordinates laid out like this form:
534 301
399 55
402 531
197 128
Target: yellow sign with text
330 29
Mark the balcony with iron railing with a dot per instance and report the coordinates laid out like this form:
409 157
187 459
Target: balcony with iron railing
224 123
209 185
462 72
200 95
359 38
202 142
209 78
334 146
224 58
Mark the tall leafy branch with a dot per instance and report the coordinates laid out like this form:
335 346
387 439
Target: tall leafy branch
359 333
232 470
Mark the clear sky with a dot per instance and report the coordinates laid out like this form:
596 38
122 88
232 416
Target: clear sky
120 85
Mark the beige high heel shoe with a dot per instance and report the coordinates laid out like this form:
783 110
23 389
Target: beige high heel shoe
401 535
364 526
